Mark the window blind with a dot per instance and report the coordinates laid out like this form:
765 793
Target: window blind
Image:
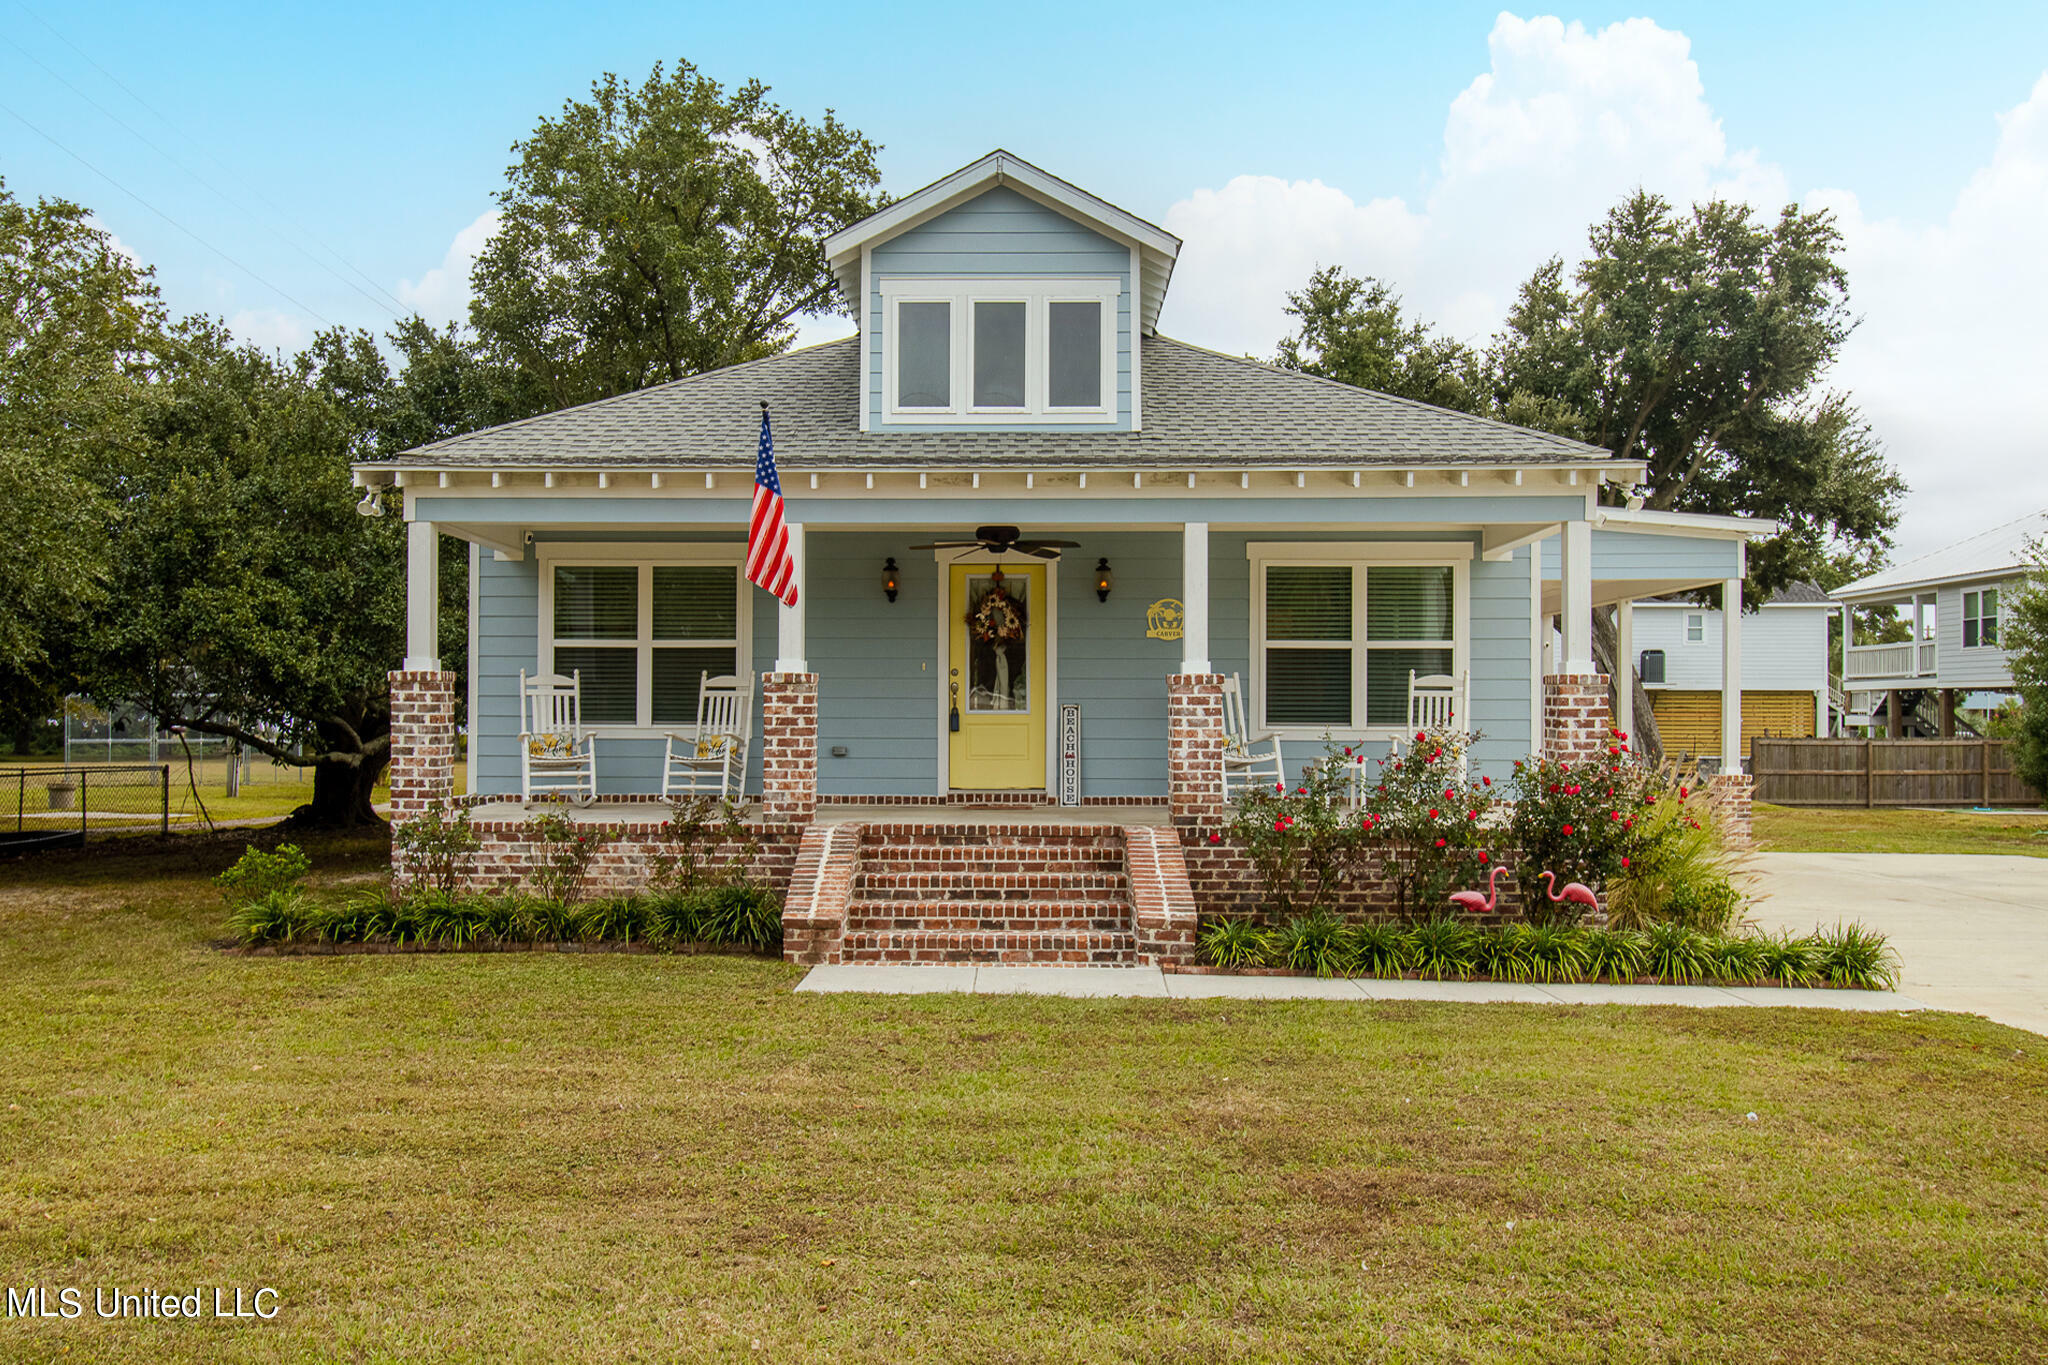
1386 680
610 680
1308 602
1310 687
597 602
696 602
1408 602
679 671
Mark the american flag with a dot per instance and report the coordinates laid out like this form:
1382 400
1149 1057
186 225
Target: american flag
769 562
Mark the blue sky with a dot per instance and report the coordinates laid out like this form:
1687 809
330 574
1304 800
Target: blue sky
1447 148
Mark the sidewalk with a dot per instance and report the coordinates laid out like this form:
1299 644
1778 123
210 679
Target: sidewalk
1151 982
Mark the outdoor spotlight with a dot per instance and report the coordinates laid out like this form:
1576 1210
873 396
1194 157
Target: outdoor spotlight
370 506
889 583
1104 580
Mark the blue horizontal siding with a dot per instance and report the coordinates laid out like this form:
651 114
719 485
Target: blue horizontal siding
1642 554
999 233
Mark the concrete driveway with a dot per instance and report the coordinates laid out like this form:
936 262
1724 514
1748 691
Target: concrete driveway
1971 930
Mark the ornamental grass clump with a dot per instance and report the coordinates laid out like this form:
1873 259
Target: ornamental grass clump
1316 942
1235 943
1851 955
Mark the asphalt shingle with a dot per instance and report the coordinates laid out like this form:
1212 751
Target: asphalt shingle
1201 408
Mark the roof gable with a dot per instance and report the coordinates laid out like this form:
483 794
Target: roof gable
1997 552
1157 248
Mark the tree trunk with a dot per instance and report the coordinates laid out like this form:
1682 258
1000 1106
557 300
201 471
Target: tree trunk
1643 739
341 792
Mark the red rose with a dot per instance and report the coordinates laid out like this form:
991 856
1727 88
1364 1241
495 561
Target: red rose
1280 826
1624 862
1488 782
1471 815
1448 793
1567 829
1485 857
1419 736
1215 838
1683 792
1347 751
1441 842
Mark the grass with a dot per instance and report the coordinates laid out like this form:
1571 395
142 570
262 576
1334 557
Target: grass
555 1157
1787 829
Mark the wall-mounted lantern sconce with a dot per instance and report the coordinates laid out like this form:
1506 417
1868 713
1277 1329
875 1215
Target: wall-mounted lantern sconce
1104 580
889 583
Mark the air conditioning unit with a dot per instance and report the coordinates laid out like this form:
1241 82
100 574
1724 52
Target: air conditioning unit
1651 667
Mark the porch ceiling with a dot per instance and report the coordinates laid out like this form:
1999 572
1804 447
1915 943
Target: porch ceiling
1608 591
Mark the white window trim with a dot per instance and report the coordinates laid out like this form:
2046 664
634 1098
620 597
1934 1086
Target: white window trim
1455 555
1966 617
1037 294
1691 617
646 558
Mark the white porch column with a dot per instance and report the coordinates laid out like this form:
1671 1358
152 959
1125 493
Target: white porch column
789 620
1625 667
1194 597
422 597
1731 676
1919 631
1575 567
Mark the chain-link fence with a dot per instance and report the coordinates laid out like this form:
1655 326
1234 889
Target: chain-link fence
56 806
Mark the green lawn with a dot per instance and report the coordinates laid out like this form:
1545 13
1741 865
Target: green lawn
1787 829
271 792
555 1157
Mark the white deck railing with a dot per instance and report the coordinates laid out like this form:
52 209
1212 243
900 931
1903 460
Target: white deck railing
1901 660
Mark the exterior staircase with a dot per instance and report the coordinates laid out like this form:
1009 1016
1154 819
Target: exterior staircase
990 893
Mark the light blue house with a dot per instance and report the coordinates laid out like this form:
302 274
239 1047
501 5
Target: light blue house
1317 541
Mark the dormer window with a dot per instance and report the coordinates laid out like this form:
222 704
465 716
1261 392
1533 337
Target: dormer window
999 350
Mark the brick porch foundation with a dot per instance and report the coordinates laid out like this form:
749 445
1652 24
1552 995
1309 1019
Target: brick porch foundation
1731 797
1194 749
422 749
1577 722
789 747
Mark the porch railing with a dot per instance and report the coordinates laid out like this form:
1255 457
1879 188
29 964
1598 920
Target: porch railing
1902 660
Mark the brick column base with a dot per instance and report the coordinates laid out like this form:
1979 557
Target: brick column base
814 912
422 748
1576 718
1194 749
1731 797
789 747
1163 915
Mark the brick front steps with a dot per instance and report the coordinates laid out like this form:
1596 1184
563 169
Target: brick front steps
930 893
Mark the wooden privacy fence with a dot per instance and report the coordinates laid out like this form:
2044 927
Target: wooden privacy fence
1887 772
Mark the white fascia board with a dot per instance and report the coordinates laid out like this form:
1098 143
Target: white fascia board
1890 593
1685 523
1000 168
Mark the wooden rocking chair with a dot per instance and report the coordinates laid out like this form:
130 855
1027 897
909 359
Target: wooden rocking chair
712 761
556 757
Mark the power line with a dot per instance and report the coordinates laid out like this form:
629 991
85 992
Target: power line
390 303
24 121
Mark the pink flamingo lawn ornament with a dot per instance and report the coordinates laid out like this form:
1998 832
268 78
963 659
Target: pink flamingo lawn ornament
1578 893
1474 903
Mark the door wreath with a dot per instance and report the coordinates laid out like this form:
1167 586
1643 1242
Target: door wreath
998 618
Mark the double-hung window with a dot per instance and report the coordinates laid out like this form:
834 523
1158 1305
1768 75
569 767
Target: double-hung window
1980 618
1339 630
1695 627
641 632
999 350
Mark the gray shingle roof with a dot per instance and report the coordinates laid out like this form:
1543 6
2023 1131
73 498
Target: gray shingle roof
1200 408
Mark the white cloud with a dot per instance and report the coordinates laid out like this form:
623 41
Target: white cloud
442 294
1562 124
271 329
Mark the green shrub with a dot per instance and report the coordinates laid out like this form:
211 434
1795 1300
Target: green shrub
257 874
1234 943
1709 906
1613 954
1429 822
563 852
544 920
1790 961
1504 953
438 850
1736 958
744 916
448 920
1315 942
1675 953
363 917
612 919
1852 955
697 829
675 917
1440 948
1556 952
1378 948
281 914
1302 841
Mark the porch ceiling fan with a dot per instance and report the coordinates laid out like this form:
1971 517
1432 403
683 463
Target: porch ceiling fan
998 540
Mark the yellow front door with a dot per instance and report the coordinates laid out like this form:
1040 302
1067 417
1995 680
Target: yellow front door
996 683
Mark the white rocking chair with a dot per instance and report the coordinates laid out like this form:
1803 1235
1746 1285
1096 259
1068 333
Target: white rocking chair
712 761
556 757
1436 701
1244 762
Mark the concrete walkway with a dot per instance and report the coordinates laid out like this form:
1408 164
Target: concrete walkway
1971 930
1150 981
